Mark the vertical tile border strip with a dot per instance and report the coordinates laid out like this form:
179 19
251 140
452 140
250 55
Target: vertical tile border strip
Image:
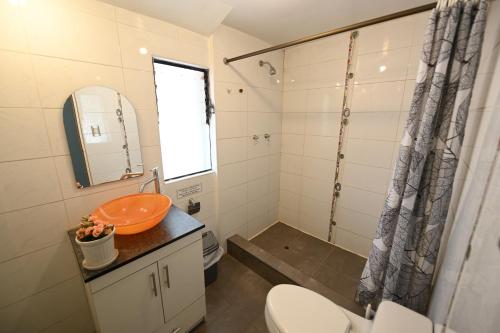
121 120
346 111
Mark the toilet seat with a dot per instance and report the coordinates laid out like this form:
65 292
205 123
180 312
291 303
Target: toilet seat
293 309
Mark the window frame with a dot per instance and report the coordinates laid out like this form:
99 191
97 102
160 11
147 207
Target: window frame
209 109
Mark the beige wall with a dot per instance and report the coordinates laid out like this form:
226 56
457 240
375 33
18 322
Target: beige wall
49 48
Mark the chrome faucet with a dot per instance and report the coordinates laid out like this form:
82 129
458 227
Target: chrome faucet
155 179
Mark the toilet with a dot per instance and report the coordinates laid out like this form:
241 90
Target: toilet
293 309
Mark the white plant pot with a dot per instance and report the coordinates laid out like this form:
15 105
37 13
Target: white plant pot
99 252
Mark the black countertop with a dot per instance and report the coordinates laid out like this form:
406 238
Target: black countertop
176 225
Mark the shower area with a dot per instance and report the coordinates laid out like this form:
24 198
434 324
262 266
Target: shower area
307 141
345 104
322 123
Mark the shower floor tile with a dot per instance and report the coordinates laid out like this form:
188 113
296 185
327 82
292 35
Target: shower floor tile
338 269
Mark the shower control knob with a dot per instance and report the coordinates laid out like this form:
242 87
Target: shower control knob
267 136
240 90
255 137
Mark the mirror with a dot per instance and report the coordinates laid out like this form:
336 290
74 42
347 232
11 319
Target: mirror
102 134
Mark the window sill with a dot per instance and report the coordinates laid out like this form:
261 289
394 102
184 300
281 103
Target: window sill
173 181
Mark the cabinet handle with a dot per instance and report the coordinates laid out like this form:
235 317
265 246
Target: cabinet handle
167 276
155 291
177 330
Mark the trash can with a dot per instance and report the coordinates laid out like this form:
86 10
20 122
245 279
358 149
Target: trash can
212 253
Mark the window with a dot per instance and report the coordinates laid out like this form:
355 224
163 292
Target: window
184 112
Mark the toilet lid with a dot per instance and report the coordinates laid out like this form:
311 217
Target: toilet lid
296 309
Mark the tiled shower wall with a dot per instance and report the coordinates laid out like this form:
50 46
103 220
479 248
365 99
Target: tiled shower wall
385 65
49 48
248 103
312 105
386 62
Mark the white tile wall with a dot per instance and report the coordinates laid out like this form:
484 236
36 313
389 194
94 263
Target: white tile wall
35 141
13 35
17 83
77 40
257 167
390 65
49 220
326 99
387 36
312 102
248 102
50 48
62 301
292 144
58 78
293 123
386 64
312 215
28 274
385 60
47 50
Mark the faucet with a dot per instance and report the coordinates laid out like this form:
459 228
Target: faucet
155 179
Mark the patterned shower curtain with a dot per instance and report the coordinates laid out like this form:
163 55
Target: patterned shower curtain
401 262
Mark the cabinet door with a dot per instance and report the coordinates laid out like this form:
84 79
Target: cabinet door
181 279
132 304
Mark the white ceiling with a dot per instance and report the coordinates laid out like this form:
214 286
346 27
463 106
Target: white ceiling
202 16
278 21
274 21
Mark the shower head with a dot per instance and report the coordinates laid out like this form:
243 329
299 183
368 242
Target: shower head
272 70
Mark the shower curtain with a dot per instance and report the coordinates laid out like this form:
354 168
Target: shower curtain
402 259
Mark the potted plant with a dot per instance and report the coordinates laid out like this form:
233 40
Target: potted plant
96 239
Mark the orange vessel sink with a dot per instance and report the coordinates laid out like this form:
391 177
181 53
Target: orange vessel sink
134 213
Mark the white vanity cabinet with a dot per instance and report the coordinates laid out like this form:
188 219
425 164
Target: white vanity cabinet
180 279
131 304
163 291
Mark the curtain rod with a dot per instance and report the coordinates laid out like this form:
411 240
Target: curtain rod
354 26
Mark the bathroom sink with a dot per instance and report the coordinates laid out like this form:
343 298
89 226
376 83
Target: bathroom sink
134 213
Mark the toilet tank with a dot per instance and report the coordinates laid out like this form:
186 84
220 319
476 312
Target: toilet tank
394 318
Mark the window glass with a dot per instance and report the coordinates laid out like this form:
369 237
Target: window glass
182 118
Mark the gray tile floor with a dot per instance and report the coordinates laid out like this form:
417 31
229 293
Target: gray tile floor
236 300
332 266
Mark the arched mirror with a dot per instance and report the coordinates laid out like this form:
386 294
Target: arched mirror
102 134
